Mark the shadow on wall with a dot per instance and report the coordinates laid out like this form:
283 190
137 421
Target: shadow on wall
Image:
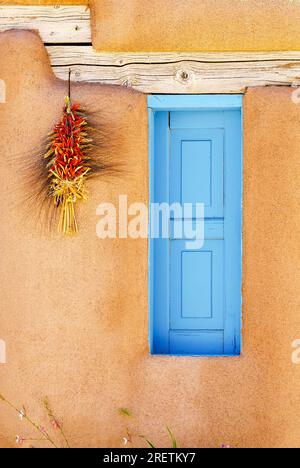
74 311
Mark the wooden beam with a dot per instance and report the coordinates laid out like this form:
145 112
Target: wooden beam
178 73
86 55
149 73
56 24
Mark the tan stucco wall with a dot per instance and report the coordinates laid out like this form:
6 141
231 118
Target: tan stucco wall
44 2
190 25
193 25
74 311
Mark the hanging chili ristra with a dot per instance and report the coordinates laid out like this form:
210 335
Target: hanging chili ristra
78 148
68 166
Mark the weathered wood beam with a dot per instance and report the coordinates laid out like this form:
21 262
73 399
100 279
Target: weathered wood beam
178 73
149 73
86 55
55 24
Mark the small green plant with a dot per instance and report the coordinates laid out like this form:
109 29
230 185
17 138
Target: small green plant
151 445
130 436
125 412
45 434
53 433
173 440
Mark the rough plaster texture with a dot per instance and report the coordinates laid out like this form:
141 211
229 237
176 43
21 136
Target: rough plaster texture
193 25
44 2
74 311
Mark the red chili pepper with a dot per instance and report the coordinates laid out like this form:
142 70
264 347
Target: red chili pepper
66 145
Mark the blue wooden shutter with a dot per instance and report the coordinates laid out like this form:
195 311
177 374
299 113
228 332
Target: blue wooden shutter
195 294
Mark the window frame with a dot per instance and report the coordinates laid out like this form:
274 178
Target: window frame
169 103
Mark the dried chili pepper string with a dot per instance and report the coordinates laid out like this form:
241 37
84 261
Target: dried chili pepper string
68 164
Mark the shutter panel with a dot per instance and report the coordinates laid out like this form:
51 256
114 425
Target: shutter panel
197 291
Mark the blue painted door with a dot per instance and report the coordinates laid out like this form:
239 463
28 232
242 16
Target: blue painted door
196 290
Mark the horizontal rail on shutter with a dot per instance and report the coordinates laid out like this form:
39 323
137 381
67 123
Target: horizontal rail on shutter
212 229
